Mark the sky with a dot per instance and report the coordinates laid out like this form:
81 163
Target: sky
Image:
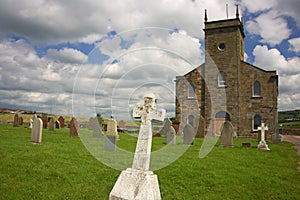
82 57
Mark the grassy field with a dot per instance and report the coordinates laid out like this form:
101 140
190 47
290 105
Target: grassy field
62 168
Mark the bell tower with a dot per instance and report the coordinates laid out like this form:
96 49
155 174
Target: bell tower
224 51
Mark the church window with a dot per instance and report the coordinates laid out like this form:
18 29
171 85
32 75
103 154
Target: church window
191 91
222 46
256 122
222 79
256 89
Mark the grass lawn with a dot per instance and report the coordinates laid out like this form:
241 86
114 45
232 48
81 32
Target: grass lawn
62 168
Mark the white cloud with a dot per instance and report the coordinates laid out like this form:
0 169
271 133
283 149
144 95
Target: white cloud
254 6
66 55
294 44
270 26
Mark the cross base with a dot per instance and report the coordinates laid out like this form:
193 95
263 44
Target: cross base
263 146
136 185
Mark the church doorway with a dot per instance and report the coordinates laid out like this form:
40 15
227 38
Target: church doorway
219 120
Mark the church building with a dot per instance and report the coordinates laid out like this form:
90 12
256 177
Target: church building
225 86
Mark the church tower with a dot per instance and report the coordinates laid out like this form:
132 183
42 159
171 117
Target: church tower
224 51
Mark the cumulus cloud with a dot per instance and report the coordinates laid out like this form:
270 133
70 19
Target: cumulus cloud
66 55
294 44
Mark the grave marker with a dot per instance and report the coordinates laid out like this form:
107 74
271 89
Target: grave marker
171 136
262 144
188 134
227 133
61 121
138 182
74 127
16 120
51 124
36 131
166 127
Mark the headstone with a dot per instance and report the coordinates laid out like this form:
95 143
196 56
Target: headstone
110 143
16 120
30 123
51 124
138 182
36 131
262 144
20 121
112 128
74 127
122 125
166 127
227 133
97 129
188 134
61 121
45 121
171 136
57 124
276 137
90 125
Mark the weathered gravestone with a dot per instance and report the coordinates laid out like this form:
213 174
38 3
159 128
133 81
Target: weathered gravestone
16 120
188 134
171 136
57 124
112 127
90 125
166 127
262 144
74 127
227 133
122 125
51 124
45 121
30 123
20 121
61 121
97 128
138 182
36 131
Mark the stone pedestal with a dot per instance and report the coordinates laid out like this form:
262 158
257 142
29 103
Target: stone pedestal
136 184
263 146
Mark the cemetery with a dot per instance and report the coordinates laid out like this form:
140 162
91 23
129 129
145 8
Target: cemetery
60 160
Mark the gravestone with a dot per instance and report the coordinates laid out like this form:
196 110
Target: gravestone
227 133
188 134
110 143
51 124
97 128
30 123
262 144
36 131
90 125
61 121
171 136
166 127
74 127
138 182
57 124
112 128
20 121
122 125
16 120
45 121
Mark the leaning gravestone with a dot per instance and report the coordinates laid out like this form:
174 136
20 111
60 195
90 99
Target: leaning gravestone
138 182
227 133
166 127
51 124
74 127
171 136
16 120
36 131
188 134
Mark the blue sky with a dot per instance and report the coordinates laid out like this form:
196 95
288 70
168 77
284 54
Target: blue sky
82 57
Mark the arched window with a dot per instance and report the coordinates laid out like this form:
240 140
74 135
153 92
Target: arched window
256 122
256 89
191 120
191 91
222 79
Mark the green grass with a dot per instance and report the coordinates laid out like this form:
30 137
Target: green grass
62 168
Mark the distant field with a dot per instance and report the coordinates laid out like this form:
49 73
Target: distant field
62 168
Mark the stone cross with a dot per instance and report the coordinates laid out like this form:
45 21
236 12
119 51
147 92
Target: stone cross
262 144
147 112
262 128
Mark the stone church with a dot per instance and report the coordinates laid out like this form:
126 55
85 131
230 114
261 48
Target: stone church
225 86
